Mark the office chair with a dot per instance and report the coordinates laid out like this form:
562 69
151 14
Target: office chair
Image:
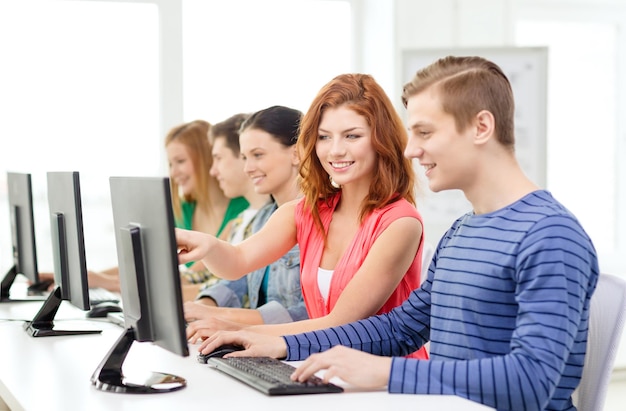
606 321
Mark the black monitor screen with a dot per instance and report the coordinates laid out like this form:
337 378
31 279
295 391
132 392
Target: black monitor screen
68 253
149 281
68 244
22 232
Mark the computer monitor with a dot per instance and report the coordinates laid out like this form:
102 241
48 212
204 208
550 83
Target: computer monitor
68 253
22 234
149 282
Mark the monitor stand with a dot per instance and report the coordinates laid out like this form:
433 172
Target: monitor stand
43 323
109 376
5 289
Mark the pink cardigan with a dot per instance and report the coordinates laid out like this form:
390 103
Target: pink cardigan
312 245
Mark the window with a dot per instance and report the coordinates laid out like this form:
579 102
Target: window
91 86
79 85
246 55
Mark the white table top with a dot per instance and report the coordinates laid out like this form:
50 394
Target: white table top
54 373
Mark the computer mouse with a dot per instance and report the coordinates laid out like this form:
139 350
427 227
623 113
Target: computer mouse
101 310
220 351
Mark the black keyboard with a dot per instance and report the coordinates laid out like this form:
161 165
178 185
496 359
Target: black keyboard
102 295
117 318
270 376
97 295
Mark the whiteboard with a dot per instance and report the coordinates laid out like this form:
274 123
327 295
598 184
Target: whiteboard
527 70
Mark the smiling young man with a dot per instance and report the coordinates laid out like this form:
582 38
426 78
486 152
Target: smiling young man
228 169
506 302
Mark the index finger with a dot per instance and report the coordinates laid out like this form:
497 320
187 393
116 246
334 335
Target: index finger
308 368
216 340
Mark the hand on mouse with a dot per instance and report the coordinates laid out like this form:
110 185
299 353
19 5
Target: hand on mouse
46 279
255 344
103 309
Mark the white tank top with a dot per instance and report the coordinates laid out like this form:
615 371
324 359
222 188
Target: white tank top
323 281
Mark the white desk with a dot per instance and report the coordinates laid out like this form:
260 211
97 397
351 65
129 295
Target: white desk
53 373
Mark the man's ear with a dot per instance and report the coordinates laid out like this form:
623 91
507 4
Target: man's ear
485 127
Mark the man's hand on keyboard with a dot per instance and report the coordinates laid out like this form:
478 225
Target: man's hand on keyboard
352 366
255 344
195 310
106 280
201 329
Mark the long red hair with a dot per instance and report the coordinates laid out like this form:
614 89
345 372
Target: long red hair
394 176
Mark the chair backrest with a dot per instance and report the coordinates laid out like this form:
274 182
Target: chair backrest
606 322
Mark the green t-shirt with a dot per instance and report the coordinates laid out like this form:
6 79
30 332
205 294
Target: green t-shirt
235 206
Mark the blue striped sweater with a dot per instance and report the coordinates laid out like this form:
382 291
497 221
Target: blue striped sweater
505 308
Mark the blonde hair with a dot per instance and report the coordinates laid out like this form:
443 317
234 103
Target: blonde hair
194 136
